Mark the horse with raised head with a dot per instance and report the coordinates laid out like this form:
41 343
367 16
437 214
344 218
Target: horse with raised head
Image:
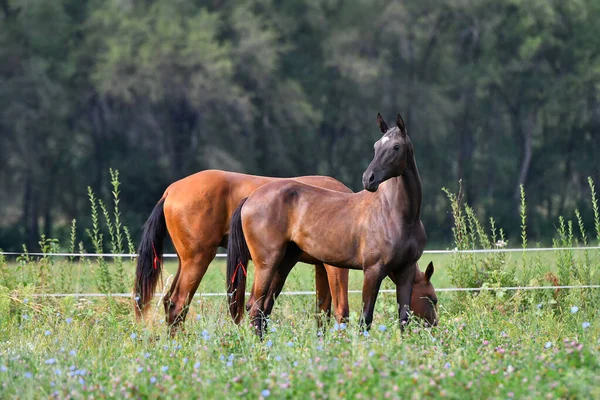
378 230
196 212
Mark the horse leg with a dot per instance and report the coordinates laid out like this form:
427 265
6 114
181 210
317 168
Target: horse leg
404 279
190 273
338 284
371 284
323 294
290 259
264 273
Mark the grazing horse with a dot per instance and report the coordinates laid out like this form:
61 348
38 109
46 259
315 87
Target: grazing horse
378 230
196 211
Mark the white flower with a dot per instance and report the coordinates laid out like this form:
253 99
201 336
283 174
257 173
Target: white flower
500 243
548 345
574 309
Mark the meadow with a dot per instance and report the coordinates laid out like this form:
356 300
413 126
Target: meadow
488 344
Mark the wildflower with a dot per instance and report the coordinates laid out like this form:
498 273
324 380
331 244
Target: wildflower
574 309
540 305
295 363
26 300
319 348
50 361
140 369
198 317
3 368
73 353
48 333
501 243
133 336
205 335
336 326
69 320
382 328
371 353
58 371
81 381
265 393
269 344
137 298
25 317
548 345
185 360
164 368
273 329
447 365
342 326
153 379
278 358
290 344
366 334
229 363
197 365
231 357
28 375
585 325
146 355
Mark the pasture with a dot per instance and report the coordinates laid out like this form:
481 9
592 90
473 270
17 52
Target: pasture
488 344
493 345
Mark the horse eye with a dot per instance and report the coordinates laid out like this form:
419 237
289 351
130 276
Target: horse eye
397 147
434 301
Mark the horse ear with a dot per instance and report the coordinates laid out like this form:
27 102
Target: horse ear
400 124
429 271
381 123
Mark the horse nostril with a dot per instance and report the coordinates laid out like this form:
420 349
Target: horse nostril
372 178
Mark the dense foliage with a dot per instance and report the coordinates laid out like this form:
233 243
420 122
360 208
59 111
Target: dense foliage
497 93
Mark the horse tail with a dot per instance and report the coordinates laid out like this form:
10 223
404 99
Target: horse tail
149 262
238 255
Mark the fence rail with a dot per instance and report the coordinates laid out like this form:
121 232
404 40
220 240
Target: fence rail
223 255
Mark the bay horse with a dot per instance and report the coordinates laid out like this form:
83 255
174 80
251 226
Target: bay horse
378 230
196 211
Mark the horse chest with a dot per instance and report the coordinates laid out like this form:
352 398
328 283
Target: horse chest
401 246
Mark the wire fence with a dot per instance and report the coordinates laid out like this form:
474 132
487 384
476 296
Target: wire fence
223 255
305 293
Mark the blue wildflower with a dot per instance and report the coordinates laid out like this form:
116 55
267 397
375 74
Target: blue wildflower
69 320
197 365
164 368
548 345
319 347
73 353
185 360
278 358
290 344
382 328
58 371
265 393
81 381
153 379
198 317
133 336
48 333
585 325
229 363
342 326
231 357
3 368
269 344
28 375
140 369
447 365
50 361
146 355
366 334
25 300
574 309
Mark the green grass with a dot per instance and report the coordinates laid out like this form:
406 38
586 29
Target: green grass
487 346
492 344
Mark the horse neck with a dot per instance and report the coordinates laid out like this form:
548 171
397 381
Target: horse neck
404 193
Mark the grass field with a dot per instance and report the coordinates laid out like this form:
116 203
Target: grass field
486 346
498 344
